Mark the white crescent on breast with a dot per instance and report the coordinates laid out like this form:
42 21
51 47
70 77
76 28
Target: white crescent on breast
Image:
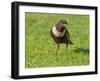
58 33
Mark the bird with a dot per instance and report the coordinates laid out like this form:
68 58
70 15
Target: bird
60 34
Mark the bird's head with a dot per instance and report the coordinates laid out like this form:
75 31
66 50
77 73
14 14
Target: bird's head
60 26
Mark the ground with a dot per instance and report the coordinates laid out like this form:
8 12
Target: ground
40 47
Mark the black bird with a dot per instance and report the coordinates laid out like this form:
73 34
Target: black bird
60 34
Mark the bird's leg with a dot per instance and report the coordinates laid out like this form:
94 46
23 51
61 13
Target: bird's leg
57 49
66 47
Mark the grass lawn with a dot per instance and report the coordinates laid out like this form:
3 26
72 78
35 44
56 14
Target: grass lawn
40 47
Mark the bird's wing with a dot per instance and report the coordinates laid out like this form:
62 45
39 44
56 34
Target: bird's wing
67 34
68 37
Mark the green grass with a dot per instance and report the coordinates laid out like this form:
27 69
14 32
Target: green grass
40 48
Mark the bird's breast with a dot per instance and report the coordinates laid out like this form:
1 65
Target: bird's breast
58 33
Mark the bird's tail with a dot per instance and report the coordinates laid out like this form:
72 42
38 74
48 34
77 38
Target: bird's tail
70 42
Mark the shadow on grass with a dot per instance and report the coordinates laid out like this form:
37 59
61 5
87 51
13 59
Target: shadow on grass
83 50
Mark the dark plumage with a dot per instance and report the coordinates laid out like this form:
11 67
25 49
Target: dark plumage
60 34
